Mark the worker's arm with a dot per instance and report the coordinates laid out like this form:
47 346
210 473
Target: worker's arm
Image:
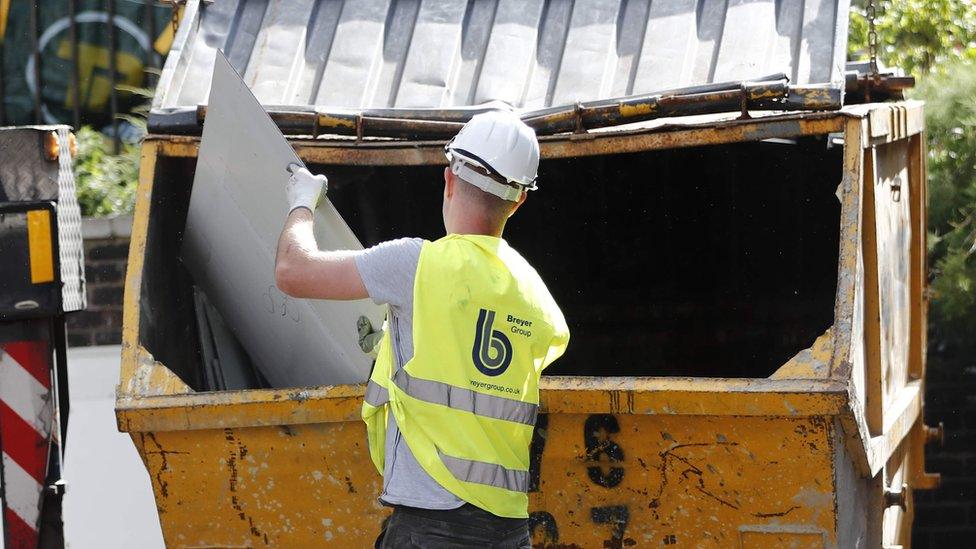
301 269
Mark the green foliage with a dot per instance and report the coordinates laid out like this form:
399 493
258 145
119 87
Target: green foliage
951 129
935 40
139 115
918 36
106 183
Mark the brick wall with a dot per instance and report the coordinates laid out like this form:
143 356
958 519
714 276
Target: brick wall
946 517
106 250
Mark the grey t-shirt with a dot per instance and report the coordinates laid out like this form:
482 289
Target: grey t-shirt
388 271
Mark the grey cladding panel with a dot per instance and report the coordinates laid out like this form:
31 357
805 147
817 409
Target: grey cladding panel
237 209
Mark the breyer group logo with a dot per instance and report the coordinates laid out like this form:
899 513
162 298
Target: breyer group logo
492 351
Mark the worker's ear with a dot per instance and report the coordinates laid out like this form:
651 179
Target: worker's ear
449 181
520 201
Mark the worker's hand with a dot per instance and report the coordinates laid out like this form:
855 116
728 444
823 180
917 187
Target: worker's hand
369 338
304 189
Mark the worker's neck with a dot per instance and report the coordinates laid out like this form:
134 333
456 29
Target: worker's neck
476 226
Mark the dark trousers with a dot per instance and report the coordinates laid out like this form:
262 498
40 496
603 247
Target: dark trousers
466 526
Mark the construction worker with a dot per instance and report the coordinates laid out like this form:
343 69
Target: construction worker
451 403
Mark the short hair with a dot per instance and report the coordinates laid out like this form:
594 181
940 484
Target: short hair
495 208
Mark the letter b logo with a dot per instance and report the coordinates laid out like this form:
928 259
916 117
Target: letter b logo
492 351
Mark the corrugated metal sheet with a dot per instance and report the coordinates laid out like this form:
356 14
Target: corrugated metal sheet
532 54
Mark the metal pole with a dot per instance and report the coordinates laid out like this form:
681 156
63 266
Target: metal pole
113 98
36 53
60 377
150 23
75 79
3 496
3 114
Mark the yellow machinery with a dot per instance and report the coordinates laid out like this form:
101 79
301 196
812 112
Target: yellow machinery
820 450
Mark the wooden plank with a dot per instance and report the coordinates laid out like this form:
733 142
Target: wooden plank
590 47
434 51
905 409
670 45
507 60
873 390
894 233
918 261
355 55
917 182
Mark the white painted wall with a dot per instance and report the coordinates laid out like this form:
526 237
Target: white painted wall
109 501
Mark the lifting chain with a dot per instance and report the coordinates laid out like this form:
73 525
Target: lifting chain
175 19
871 13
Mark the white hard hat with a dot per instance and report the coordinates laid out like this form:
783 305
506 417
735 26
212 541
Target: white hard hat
501 144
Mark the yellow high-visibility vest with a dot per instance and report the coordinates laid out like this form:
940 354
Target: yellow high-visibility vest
484 327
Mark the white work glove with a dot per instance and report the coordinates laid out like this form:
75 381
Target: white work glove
304 189
369 337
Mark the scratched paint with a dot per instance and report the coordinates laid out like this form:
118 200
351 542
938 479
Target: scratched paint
598 480
633 480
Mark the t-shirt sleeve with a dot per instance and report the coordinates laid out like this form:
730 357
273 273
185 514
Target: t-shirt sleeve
388 270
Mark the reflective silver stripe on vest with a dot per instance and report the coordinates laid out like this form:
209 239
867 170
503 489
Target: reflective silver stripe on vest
376 395
491 474
466 400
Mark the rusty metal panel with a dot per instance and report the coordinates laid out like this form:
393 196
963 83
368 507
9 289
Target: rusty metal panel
450 53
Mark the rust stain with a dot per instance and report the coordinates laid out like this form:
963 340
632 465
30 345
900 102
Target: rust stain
164 462
237 453
776 514
691 471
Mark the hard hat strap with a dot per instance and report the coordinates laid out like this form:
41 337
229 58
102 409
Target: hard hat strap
461 169
472 158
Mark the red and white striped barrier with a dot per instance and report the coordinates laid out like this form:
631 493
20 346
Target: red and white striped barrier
26 414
